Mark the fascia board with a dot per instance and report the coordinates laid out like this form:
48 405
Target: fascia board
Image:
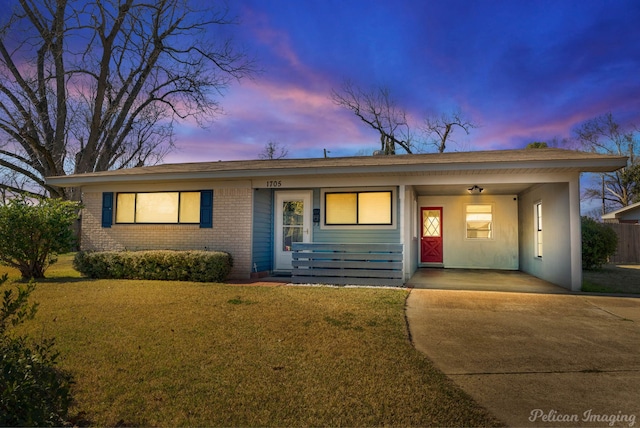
582 165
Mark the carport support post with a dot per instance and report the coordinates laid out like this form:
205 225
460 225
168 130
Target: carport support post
576 233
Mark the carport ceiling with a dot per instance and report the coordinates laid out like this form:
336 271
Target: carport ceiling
461 189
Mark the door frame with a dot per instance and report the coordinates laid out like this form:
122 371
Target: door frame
282 259
439 208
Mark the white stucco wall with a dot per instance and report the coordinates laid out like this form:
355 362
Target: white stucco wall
558 256
500 252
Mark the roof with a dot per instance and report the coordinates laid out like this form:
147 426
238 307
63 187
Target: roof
541 160
618 213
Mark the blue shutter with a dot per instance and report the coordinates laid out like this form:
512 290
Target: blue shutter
206 209
107 209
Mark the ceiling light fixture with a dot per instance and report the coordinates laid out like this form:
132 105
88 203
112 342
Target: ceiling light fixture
475 190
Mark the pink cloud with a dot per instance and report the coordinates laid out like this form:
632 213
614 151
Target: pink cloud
304 120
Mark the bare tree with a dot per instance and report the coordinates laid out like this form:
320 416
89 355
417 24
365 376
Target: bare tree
97 85
632 176
377 109
438 130
604 135
274 150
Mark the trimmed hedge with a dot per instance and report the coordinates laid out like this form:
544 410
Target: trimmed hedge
201 266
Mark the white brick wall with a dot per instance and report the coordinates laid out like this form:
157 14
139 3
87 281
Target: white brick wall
231 230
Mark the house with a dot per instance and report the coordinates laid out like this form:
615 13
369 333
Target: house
507 209
629 214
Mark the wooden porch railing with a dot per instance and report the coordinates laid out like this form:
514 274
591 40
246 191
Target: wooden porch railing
357 264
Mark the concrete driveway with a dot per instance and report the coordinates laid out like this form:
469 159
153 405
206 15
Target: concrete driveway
559 360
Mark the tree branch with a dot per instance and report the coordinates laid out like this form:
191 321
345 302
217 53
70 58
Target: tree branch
378 110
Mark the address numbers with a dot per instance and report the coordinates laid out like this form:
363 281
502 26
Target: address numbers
274 183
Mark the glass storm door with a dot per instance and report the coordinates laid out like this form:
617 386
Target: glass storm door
293 224
431 235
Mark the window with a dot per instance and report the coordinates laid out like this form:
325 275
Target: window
158 207
358 208
538 228
479 220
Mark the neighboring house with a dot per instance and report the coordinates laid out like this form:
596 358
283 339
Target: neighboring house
509 209
629 214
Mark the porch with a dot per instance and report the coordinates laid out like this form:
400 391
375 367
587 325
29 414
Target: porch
381 264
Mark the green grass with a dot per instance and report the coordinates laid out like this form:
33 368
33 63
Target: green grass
613 279
179 353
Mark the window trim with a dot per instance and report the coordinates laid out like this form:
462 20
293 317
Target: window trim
135 223
538 240
355 226
492 229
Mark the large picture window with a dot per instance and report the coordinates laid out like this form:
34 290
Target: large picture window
158 207
479 220
370 208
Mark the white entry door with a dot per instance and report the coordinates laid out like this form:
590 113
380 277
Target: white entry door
293 224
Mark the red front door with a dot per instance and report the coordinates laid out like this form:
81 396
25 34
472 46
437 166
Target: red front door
431 235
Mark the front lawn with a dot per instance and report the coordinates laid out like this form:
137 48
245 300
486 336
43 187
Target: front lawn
180 353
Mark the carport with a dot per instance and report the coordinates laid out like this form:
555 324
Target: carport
481 280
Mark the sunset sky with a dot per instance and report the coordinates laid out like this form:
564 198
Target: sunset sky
522 70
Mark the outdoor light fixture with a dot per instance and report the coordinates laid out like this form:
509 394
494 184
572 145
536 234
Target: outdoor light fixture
475 190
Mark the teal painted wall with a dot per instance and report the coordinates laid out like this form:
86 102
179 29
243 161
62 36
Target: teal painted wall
355 235
262 230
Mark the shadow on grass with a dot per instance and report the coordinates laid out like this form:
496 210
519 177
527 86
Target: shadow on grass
64 279
53 280
80 420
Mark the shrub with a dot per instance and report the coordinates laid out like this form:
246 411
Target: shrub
599 242
34 231
201 266
33 392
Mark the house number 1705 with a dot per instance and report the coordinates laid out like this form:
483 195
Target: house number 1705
274 183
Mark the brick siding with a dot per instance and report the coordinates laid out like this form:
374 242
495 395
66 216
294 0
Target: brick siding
231 230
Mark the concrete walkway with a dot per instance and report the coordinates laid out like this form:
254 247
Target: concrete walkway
481 279
559 360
